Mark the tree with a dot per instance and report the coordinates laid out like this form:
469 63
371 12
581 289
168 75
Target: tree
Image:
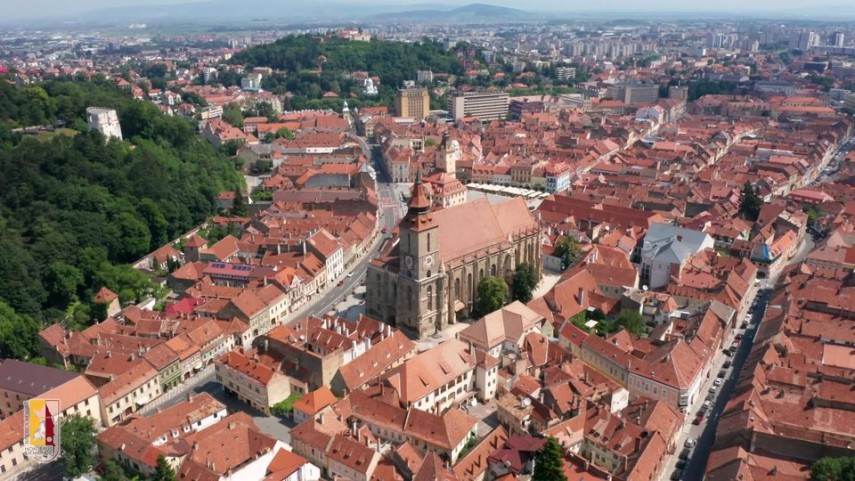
163 471
233 115
568 250
523 282
239 206
750 203
285 406
62 281
549 462
833 469
113 471
77 436
631 320
492 294
18 334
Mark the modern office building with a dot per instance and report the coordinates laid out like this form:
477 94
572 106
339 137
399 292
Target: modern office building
413 102
634 94
484 106
678 92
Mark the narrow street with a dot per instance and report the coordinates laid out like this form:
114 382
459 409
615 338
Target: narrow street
704 433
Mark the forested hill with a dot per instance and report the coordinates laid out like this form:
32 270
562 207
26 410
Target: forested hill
74 209
299 57
393 62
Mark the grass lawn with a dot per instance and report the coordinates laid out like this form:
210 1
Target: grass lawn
46 136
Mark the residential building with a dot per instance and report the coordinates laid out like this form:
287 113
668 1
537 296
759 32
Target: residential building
445 376
128 392
21 381
312 403
330 251
254 378
138 442
502 331
76 396
666 248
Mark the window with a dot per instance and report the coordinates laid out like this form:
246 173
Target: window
428 242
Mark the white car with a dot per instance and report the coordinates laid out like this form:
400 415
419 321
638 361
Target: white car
690 442
717 382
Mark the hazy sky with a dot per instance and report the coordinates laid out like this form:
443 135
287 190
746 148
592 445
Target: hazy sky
14 9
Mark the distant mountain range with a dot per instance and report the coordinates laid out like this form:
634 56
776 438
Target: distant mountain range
318 12
475 12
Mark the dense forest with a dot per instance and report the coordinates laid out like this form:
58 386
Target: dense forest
74 209
299 57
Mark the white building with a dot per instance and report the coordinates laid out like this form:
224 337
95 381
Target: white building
105 121
666 248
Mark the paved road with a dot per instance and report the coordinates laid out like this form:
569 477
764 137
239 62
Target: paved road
704 433
272 425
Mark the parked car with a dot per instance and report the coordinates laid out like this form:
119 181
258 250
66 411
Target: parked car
711 397
698 419
727 352
713 389
707 404
677 475
717 382
690 443
685 453
744 325
737 337
722 374
727 364
681 464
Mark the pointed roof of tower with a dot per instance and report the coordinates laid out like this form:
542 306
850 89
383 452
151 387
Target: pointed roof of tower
419 203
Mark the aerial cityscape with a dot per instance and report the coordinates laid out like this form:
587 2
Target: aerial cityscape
400 241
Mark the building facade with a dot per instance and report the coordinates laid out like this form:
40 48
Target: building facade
414 102
485 106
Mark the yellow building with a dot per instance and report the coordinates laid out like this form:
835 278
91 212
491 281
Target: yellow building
413 103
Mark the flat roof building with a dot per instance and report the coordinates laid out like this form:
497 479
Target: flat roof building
484 106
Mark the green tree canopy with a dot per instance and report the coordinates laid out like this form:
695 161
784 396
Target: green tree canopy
523 283
549 462
631 320
568 250
833 469
113 471
77 436
233 115
750 202
492 295
163 471
17 334
73 208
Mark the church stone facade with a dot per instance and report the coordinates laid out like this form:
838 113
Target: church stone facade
422 283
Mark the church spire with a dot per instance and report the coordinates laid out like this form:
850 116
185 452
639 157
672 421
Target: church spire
419 202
